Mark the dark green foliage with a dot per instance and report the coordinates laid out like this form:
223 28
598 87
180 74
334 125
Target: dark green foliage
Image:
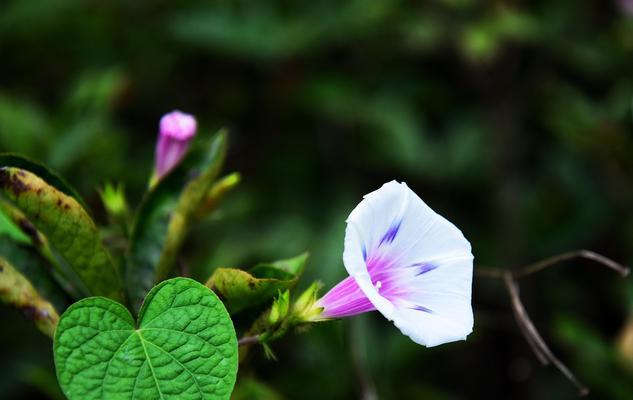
512 119
165 215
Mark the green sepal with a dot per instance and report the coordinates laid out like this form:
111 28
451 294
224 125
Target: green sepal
279 309
305 308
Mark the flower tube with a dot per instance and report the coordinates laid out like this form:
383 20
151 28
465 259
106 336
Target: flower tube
407 262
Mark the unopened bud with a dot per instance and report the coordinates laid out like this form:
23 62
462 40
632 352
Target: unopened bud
176 130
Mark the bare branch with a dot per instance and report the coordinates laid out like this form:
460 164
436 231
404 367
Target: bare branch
587 254
534 338
499 273
538 352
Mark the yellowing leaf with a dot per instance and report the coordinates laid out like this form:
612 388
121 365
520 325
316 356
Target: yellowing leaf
241 289
18 292
68 227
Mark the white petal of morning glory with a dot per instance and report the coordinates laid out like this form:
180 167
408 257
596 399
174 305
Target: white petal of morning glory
407 262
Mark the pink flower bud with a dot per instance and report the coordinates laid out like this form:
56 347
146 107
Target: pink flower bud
176 131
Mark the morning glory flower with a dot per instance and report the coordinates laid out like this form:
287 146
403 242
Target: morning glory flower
407 262
176 131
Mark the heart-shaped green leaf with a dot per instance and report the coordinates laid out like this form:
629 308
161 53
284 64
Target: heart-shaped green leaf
184 347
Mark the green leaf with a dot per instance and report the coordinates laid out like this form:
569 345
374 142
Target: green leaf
9 228
262 32
287 267
184 347
217 192
18 292
163 218
68 227
189 203
241 289
36 261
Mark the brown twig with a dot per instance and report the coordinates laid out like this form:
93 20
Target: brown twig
587 254
534 338
499 273
525 329
526 326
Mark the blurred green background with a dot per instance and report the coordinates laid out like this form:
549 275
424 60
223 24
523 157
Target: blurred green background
512 119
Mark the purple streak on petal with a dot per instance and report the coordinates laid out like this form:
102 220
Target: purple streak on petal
344 300
390 235
392 280
422 308
424 268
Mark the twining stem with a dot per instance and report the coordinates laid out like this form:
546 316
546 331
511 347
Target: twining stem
587 254
526 326
523 321
499 273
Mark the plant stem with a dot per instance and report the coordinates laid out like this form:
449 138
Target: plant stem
247 340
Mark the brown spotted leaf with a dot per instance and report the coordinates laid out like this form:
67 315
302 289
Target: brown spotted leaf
68 227
21 162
